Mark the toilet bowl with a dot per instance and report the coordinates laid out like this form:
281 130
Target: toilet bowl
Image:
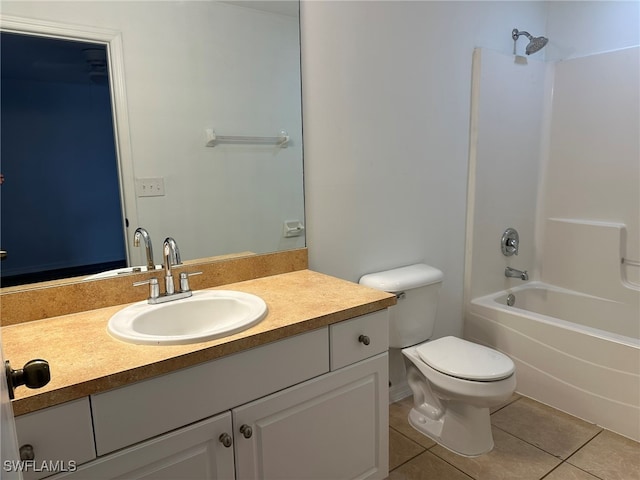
454 382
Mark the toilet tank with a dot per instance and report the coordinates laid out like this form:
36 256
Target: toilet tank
412 319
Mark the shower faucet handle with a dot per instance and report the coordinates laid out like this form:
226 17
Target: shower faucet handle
510 242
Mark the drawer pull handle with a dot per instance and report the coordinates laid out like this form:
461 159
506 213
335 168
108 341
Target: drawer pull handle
246 431
225 439
364 339
26 452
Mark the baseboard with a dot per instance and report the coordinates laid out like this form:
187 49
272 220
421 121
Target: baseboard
398 392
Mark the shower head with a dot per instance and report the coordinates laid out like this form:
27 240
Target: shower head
535 43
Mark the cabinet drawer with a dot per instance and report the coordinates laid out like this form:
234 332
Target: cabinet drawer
359 338
61 437
133 413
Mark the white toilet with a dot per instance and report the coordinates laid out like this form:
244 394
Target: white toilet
454 382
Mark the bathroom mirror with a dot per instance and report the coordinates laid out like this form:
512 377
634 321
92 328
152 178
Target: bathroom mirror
189 69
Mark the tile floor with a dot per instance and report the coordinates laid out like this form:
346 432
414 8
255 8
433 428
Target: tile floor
532 442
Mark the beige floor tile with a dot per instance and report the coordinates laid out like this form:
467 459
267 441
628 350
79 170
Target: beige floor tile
569 472
427 466
610 457
398 413
513 398
510 459
553 431
401 449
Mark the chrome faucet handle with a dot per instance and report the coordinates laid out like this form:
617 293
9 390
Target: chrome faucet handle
154 287
510 242
184 280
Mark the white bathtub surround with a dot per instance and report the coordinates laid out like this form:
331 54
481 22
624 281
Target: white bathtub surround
587 256
573 331
507 113
575 310
592 173
576 367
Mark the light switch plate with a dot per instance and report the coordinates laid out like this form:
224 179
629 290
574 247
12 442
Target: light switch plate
150 187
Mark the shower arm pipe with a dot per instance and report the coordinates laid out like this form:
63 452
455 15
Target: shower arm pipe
515 34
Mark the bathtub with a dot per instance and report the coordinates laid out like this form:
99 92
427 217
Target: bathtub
575 352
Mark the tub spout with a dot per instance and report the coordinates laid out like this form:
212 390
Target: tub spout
513 273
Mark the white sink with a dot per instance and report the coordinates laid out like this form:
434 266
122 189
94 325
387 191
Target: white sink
206 315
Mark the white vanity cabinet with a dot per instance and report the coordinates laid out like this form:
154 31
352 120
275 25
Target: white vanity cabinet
136 412
331 427
310 406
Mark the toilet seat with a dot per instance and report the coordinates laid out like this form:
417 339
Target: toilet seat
462 359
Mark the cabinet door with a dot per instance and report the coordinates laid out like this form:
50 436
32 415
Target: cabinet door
60 438
194 452
332 427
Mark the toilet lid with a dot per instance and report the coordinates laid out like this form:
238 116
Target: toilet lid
462 359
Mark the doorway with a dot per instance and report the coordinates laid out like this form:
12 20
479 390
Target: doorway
61 206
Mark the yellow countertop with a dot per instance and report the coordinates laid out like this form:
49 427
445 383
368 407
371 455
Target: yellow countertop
84 359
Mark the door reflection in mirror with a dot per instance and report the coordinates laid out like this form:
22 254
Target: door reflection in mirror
60 204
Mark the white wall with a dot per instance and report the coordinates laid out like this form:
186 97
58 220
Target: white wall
386 95
195 65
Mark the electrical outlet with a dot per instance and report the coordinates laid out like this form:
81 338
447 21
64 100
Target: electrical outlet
150 187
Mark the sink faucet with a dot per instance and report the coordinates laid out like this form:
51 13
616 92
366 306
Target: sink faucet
142 233
513 273
171 257
174 251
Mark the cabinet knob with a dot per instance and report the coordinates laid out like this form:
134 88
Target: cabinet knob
26 452
35 374
225 439
364 339
246 431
